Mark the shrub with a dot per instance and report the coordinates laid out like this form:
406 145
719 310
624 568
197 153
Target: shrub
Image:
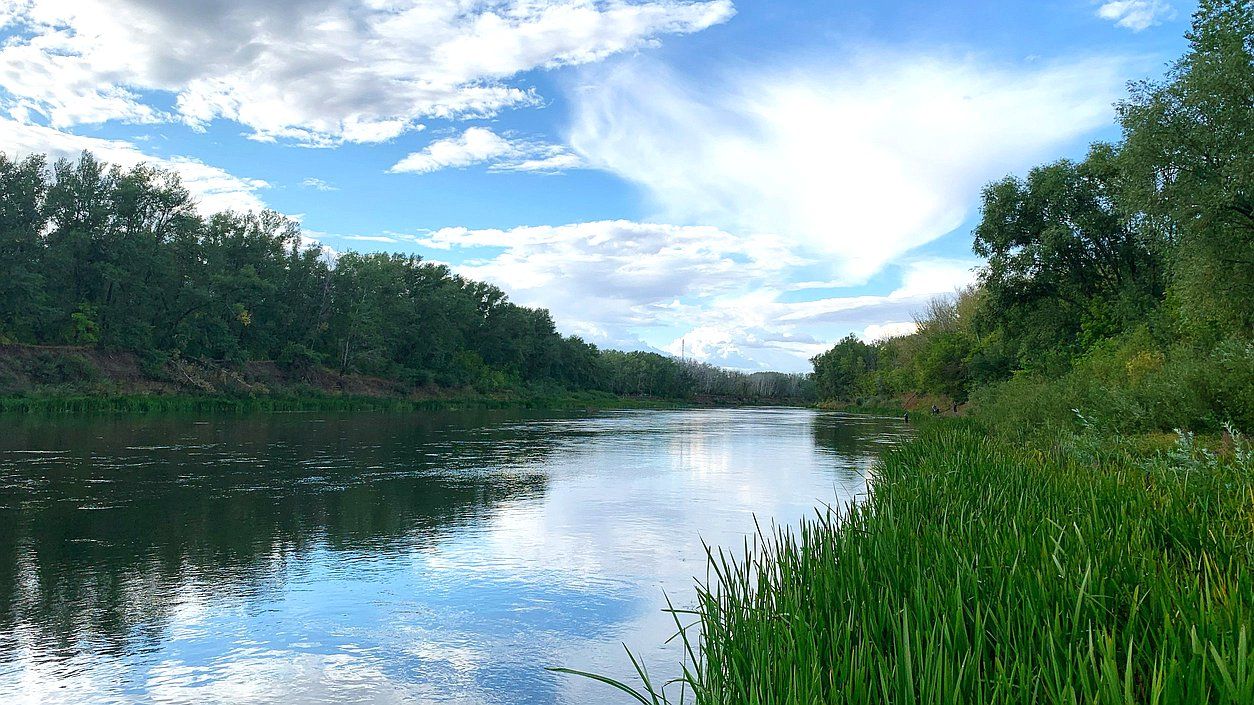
298 358
54 368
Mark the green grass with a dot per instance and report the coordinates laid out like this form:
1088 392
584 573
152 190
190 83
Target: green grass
979 572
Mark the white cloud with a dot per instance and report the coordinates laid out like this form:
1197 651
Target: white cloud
1136 15
475 145
556 160
929 277
633 285
892 329
858 162
318 184
479 145
370 238
762 330
317 72
735 344
606 279
214 188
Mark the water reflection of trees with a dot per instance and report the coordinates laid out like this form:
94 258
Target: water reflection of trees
852 436
100 540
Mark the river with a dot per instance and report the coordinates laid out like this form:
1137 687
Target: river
382 558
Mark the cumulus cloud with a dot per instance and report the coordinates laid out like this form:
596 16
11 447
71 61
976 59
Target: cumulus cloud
747 347
764 330
316 72
214 188
857 162
605 279
1136 15
476 144
480 145
715 296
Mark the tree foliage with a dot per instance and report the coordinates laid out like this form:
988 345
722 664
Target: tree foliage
93 254
1124 281
1188 156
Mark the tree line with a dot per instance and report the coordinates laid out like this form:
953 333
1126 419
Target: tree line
120 258
1121 285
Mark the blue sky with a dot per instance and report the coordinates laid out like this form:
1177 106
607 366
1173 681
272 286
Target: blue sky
754 179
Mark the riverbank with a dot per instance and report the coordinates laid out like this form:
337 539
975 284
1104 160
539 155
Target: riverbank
58 404
1085 569
917 405
88 380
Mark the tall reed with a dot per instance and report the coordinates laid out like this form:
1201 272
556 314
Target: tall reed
977 572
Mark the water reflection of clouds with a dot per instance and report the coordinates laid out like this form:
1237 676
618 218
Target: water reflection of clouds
565 555
636 527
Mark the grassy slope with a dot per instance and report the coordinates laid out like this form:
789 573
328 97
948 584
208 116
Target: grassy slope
980 572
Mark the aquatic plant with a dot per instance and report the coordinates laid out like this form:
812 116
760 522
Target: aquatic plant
981 572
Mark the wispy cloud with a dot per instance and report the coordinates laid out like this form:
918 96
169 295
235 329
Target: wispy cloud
370 238
762 329
1137 15
318 184
857 162
480 145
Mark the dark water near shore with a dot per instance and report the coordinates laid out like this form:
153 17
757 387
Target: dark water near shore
389 558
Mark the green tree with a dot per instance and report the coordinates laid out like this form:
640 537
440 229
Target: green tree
23 188
1066 265
1189 156
93 254
838 371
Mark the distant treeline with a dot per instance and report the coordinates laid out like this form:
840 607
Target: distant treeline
1121 286
98 255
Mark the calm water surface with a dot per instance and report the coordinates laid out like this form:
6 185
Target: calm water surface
391 558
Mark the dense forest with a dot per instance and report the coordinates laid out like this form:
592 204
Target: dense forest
120 259
1118 290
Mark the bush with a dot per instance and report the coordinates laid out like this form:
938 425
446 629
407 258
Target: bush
153 364
298 358
53 368
416 378
1126 387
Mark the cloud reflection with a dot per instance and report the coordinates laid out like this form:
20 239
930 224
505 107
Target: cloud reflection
419 561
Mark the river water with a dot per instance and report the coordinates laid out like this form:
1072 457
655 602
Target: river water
382 558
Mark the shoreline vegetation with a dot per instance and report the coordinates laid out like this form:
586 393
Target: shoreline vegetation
58 404
69 380
113 284
978 570
1121 285
1071 539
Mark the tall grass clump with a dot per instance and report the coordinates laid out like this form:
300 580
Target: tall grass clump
1126 386
979 572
